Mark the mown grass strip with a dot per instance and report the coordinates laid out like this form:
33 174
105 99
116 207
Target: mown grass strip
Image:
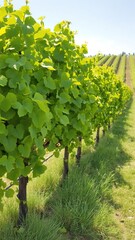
122 68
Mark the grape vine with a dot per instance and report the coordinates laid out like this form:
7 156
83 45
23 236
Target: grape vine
51 96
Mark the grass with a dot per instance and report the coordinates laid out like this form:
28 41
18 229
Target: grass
132 69
96 201
124 192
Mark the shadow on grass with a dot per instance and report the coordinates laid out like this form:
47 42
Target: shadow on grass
109 155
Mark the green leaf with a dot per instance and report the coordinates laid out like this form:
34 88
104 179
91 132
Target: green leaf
37 27
11 62
22 61
64 120
28 105
54 139
2 61
17 45
2 31
82 117
3 129
78 102
57 28
56 153
30 21
39 142
11 20
92 98
1 98
1 195
17 132
6 104
26 171
19 14
75 92
64 97
25 9
3 12
9 193
33 131
12 31
20 163
11 130
44 131
9 143
65 80
9 114
21 109
3 81
38 96
41 18
2 170
8 101
41 102
7 162
25 148
2 184
14 174
49 83
12 98
40 34
14 77
10 163
38 169
59 109
51 147
59 54
20 131
58 130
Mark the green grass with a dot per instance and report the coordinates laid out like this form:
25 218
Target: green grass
124 192
132 69
96 201
121 68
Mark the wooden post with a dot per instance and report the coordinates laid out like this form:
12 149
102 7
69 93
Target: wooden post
79 152
22 196
65 161
97 135
103 132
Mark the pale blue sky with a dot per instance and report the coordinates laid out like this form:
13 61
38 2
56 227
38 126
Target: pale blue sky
107 26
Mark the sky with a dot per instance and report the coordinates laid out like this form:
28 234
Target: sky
107 26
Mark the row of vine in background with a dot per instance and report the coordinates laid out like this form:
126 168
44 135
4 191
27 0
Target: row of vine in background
51 97
117 62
